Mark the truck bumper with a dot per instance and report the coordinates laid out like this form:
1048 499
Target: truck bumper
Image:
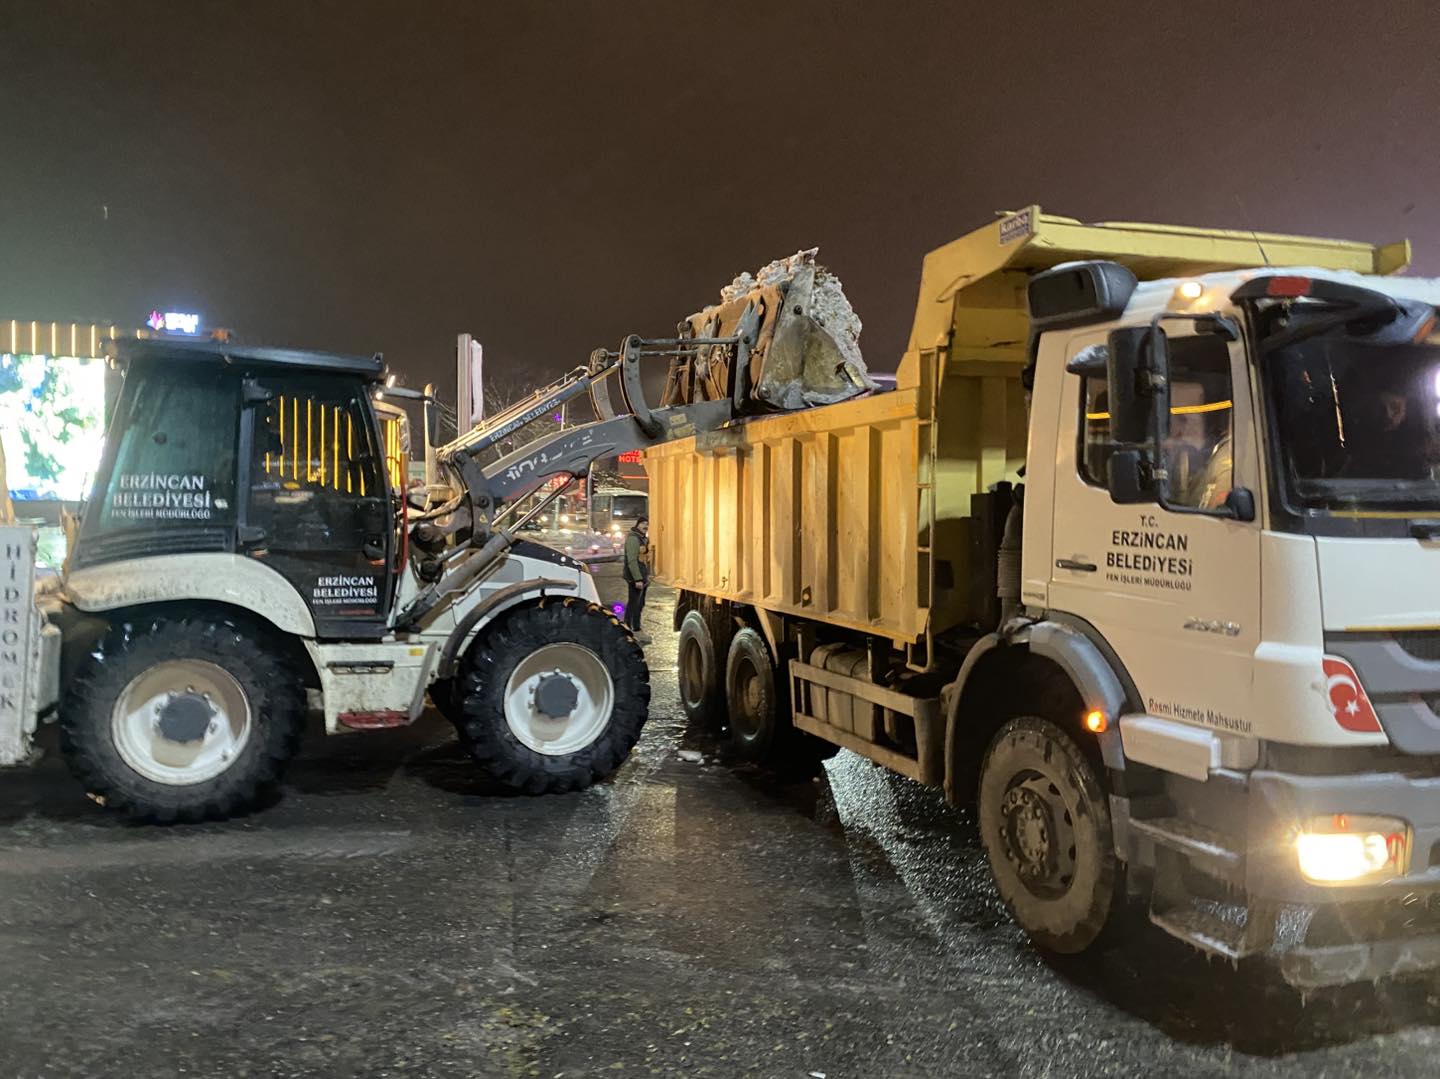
1280 802
1249 897
1320 966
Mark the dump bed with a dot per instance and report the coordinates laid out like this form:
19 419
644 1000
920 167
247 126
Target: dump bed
857 514
809 512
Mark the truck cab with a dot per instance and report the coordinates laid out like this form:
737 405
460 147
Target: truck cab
1241 518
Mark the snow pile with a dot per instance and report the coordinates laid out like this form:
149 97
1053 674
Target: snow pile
813 353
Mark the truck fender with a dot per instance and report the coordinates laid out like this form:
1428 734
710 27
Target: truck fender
229 579
1093 675
1094 678
500 600
950 698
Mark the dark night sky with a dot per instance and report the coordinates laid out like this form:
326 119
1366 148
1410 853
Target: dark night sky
552 176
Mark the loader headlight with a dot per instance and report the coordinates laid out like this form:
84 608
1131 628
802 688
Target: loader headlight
1342 849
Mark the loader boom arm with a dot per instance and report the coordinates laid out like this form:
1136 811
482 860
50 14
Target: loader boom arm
494 489
617 430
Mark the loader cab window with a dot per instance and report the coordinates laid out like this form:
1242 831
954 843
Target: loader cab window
169 484
1198 450
395 440
319 507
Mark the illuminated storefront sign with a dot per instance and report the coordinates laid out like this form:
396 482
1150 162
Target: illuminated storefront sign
174 321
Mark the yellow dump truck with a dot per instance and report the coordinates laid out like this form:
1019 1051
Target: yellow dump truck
1134 558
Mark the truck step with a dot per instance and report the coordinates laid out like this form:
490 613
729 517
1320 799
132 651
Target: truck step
1204 848
1208 929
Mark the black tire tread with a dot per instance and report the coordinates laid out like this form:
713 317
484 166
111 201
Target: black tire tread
277 701
1092 930
779 745
481 724
708 712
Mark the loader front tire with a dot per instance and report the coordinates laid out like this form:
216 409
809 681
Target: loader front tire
553 697
182 718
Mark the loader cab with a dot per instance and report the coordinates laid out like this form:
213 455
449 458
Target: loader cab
280 456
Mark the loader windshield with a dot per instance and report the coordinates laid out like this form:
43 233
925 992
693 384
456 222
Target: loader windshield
1357 430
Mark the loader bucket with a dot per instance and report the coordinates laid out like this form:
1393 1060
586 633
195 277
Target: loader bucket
807 351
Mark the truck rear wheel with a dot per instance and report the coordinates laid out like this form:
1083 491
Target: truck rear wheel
758 705
181 719
554 698
1045 823
701 693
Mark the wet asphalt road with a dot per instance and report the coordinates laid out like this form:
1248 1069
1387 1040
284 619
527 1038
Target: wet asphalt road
390 916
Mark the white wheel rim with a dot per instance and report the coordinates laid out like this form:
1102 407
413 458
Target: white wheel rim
594 699
144 725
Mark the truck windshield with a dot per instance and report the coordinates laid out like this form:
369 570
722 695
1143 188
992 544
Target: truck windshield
1358 428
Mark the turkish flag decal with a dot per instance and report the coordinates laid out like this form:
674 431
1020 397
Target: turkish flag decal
1348 703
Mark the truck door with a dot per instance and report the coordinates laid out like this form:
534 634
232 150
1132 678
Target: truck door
1177 595
319 508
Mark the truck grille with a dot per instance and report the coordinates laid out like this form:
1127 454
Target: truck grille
1420 645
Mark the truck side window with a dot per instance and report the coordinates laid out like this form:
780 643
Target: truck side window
1198 451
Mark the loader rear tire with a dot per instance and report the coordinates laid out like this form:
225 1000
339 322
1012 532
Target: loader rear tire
554 697
758 702
702 692
182 718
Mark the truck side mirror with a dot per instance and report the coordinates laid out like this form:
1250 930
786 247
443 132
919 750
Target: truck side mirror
1138 389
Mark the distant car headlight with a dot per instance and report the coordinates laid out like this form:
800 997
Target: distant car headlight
1342 849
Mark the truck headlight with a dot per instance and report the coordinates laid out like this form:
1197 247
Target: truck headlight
1353 850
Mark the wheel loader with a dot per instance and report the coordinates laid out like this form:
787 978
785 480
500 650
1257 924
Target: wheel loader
246 555
253 552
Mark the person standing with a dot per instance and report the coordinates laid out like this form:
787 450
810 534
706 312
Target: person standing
637 574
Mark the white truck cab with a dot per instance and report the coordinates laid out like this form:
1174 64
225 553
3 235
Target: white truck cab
1243 519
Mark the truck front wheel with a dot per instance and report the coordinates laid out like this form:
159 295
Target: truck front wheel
181 718
554 697
1045 823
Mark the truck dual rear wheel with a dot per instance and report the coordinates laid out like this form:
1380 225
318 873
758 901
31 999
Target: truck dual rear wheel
554 697
759 711
181 718
702 694
1045 823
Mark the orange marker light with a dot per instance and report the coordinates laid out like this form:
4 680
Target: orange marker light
1096 722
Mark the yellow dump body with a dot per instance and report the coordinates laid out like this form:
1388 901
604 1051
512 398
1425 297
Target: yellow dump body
857 514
